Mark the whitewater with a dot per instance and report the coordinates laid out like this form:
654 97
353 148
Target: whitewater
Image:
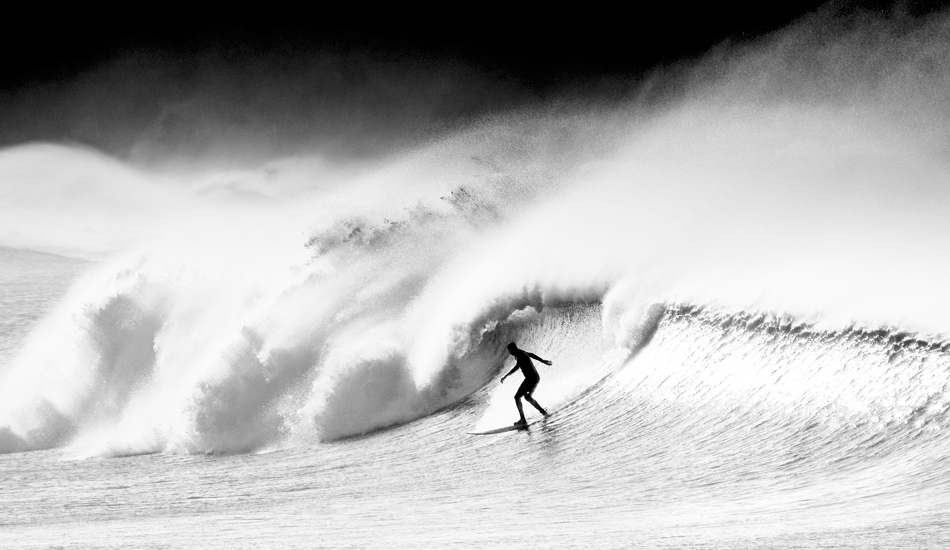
739 274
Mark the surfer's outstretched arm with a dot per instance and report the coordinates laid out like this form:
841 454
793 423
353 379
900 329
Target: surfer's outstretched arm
513 369
545 361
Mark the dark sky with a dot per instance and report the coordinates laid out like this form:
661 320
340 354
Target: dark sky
179 80
542 48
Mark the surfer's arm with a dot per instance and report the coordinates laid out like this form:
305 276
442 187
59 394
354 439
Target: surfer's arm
533 356
513 369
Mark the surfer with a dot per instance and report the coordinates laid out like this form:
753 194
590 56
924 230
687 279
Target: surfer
531 378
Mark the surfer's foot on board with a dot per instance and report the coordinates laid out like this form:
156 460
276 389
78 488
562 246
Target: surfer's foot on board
520 424
545 412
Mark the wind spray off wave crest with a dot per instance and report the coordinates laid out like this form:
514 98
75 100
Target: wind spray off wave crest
249 322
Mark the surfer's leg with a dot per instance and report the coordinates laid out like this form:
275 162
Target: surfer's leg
531 400
523 390
527 387
520 409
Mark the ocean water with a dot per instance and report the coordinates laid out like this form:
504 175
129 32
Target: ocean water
30 285
724 431
742 289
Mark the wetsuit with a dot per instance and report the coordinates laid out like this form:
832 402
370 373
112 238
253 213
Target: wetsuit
531 376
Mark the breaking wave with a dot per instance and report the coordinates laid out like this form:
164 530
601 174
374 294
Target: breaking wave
310 300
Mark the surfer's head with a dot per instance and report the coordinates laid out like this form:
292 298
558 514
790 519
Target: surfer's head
512 347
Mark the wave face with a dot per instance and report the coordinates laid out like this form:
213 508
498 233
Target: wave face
770 421
308 299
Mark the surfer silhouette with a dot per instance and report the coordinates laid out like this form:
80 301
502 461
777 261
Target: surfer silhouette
531 378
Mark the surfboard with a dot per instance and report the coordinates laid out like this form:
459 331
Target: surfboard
500 430
551 412
511 427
